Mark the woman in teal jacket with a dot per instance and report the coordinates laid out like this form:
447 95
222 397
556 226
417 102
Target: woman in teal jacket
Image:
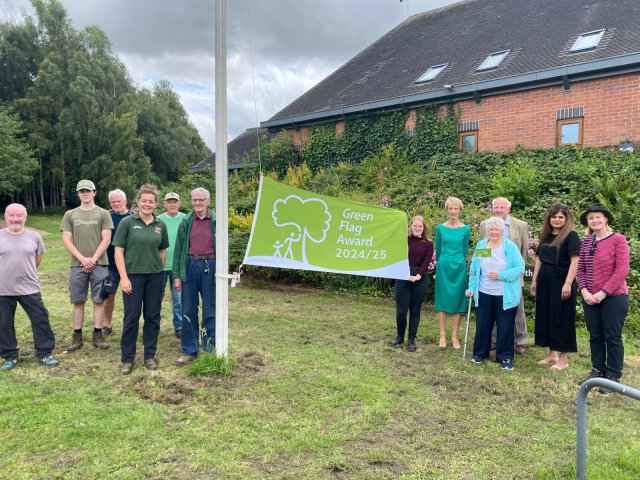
494 282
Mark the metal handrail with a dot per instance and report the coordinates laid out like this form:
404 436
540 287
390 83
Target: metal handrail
582 415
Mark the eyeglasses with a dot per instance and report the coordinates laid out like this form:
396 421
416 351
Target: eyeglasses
197 200
593 247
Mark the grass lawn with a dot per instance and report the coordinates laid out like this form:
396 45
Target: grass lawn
315 393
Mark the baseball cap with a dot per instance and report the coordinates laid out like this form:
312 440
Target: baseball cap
172 196
85 185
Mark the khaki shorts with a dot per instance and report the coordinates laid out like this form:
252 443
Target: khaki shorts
79 282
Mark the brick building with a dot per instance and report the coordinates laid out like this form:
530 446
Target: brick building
536 73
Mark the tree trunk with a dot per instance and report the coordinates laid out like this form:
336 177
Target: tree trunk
63 179
40 184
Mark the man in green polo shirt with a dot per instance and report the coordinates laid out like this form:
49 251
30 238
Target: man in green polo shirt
172 218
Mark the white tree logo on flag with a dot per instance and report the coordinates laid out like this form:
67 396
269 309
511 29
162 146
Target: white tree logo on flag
309 219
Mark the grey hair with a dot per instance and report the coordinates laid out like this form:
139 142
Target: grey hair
13 205
118 192
501 198
494 221
201 190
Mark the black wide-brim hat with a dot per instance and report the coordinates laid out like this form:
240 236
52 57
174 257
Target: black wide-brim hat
596 208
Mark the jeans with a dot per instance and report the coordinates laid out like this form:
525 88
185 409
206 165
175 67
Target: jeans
145 298
176 301
604 322
409 298
200 283
490 310
43 338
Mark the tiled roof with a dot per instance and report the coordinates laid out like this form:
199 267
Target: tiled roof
238 151
538 33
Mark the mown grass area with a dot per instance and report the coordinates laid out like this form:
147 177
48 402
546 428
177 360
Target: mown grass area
315 392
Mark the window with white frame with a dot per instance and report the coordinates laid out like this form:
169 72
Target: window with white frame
587 41
493 61
432 73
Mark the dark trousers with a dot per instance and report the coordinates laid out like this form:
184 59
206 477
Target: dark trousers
43 338
409 298
489 311
200 283
604 322
146 298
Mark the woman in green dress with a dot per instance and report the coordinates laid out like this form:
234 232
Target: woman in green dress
452 243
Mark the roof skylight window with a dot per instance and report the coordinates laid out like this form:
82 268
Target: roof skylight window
493 60
432 73
587 41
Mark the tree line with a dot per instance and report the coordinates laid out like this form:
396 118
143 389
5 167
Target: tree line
69 110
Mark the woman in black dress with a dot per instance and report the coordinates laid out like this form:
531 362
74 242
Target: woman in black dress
554 287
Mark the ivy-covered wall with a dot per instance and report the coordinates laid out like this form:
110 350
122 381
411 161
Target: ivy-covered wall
435 132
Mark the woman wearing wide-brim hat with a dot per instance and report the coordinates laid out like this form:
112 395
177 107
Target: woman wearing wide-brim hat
602 270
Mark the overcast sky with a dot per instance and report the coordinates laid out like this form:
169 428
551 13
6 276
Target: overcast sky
296 43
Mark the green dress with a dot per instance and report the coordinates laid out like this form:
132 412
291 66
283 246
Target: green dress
451 271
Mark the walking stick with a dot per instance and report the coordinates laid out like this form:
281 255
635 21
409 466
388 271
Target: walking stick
466 330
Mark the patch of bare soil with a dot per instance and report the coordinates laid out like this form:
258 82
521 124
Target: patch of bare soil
174 390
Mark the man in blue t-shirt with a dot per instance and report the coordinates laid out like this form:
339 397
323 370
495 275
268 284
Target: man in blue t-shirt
118 202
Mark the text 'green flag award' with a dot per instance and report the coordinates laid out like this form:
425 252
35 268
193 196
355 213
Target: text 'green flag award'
293 228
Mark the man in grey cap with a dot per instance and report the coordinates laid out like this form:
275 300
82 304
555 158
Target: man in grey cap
172 218
86 233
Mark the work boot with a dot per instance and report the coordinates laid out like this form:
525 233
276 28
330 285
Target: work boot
99 341
411 345
396 342
76 342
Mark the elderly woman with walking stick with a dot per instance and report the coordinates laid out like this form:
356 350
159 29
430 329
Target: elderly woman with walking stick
494 282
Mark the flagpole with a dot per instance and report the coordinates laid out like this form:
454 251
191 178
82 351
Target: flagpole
222 207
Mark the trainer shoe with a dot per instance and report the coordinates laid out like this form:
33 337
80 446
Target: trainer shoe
594 373
9 364
99 341
521 349
476 359
76 342
506 364
184 359
49 361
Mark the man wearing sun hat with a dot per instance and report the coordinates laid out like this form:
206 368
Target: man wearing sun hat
86 234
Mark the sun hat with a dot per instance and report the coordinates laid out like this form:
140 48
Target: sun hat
596 208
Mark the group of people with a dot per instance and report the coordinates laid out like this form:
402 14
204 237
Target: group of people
596 267
136 251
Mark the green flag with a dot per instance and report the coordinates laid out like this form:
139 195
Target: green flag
297 229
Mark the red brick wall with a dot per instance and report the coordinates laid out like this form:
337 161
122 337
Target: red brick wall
611 114
410 124
299 135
